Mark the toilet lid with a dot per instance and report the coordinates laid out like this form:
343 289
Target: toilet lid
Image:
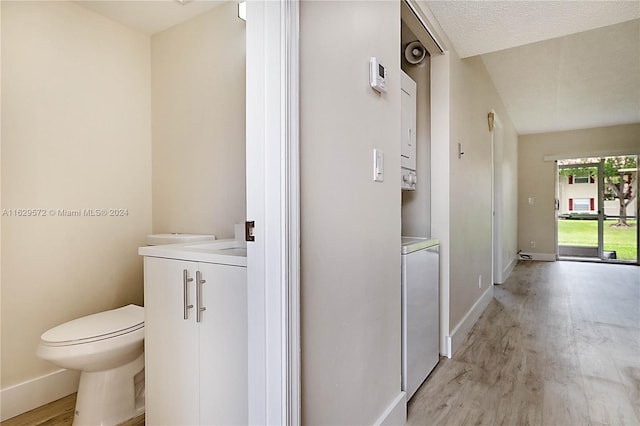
102 325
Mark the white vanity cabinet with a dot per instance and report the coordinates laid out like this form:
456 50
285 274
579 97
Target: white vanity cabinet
195 367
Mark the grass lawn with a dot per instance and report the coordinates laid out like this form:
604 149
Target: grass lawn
585 233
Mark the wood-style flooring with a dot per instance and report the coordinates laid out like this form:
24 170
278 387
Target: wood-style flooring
558 345
57 413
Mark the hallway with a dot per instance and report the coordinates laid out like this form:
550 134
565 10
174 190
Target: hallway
558 345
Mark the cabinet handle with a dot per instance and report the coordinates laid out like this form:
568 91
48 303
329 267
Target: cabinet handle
185 293
200 308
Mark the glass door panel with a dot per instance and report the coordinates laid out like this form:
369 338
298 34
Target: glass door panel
620 185
578 209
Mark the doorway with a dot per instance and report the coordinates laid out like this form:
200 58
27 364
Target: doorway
597 209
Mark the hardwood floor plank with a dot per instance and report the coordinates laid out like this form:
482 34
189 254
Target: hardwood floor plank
630 374
558 345
609 402
435 403
564 403
57 413
478 407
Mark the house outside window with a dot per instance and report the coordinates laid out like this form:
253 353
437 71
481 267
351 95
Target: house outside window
581 179
581 205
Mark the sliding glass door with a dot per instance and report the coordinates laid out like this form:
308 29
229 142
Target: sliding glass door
597 209
579 224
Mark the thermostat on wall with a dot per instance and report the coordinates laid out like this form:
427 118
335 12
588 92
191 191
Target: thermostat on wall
377 75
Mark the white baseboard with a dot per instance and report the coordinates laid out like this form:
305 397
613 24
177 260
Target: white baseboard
462 329
544 257
396 413
26 396
507 271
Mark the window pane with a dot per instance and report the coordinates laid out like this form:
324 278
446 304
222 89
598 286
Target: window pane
581 205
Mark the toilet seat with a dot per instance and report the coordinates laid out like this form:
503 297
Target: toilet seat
96 327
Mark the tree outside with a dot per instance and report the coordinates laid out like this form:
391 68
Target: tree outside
618 174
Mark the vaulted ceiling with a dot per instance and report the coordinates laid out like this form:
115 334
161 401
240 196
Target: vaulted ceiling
557 65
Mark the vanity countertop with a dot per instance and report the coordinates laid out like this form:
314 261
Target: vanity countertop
225 252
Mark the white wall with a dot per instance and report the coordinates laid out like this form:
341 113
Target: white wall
505 200
198 117
536 177
1 204
473 96
461 204
75 135
350 225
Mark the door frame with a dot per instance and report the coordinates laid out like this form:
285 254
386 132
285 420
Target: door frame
598 198
497 260
273 203
599 154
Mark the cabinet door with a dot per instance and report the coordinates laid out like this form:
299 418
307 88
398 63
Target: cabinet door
171 344
223 345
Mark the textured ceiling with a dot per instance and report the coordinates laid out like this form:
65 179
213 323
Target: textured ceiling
149 16
557 65
477 27
589 79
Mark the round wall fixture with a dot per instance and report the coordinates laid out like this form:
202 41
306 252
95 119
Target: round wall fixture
414 53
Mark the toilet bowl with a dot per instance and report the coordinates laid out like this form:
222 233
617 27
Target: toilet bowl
108 350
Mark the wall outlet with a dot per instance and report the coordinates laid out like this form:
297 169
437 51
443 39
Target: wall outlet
532 244
479 281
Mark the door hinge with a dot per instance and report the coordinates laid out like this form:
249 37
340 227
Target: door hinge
248 231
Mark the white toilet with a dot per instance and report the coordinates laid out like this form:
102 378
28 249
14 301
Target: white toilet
107 348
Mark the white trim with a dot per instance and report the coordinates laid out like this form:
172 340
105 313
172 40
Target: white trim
509 268
497 218
544 257
434 38
464 327
396 412
273 204
34 393
589 154
255 140
291 226
441 194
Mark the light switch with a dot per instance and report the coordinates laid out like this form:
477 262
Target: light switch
530 200
378 165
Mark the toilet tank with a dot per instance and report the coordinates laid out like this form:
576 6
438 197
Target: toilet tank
162 239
